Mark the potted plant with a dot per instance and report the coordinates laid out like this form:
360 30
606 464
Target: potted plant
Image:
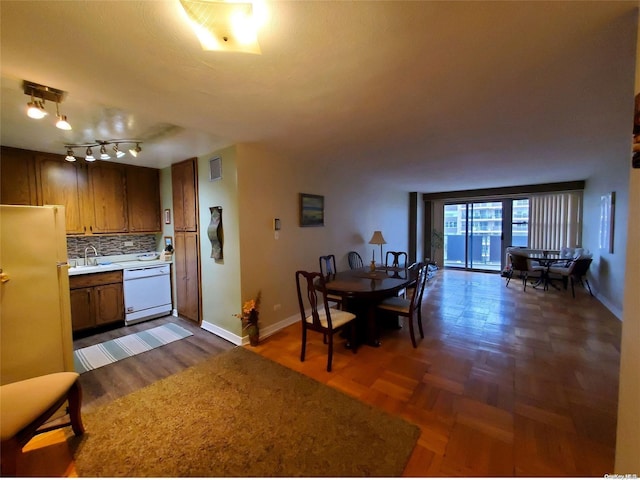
250 317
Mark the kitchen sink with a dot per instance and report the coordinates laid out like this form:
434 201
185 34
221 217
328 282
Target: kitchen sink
93 268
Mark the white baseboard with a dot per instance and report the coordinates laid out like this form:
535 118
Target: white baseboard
616 311
244 340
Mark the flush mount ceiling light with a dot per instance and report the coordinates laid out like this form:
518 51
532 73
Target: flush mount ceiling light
39 94
103 149
224 26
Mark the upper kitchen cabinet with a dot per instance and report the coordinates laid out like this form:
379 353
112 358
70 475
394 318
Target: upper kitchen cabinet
63 183
99 197
108 198
18 179
185 195
143 199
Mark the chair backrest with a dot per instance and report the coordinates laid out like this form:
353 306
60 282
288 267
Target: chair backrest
355 260
416 298
519 262
312 295
580 267
327 264
398 259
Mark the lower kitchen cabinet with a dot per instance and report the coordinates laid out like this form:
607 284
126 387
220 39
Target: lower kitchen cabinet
96 299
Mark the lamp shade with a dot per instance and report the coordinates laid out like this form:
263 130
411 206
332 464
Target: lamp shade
377 238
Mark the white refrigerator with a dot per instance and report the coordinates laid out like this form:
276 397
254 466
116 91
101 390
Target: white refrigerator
35 313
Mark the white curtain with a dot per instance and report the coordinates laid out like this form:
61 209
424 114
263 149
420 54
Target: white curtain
555 220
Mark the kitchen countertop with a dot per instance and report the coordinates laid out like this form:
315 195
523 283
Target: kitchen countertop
114 263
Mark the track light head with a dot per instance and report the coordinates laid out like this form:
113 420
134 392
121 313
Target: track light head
70 156
62 123
135 151
103 153
118 152
35 109
89 156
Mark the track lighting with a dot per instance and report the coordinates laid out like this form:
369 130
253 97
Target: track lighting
39 94
103 149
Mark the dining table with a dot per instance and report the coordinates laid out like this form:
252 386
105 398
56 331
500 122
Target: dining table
545 260
362 289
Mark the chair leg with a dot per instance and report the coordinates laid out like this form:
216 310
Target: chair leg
352 340
75 400
420 321
330 352
304 343
573 290
413 337
588 286
524 281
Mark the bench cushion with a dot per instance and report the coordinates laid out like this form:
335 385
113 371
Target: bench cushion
23 402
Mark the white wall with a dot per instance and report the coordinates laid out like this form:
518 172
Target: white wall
268 188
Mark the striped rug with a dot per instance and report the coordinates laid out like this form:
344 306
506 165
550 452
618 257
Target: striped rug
96 356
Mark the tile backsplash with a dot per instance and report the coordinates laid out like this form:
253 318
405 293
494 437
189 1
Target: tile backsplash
112 245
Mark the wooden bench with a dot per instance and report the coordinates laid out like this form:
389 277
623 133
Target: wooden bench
26 405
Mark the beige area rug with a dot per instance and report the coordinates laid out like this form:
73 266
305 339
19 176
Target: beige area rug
239 415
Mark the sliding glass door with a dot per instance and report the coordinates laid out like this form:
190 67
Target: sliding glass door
473 235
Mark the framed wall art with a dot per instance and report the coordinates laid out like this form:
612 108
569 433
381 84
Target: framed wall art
311 210
607 212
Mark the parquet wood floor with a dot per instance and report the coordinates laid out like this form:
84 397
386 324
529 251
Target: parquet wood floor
505 382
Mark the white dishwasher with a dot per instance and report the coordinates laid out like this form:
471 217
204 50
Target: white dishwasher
147 293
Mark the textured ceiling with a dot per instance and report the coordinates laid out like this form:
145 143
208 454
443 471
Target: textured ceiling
432 96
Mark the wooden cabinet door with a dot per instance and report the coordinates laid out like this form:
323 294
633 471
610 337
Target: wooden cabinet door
185 195
187 276
108 194
82 311
17 177
109 303
63 183
143 199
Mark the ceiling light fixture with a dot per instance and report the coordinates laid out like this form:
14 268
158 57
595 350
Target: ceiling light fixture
39 94
103 149
225 26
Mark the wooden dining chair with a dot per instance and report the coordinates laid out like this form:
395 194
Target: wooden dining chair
328 268
355 260
27 406
398 259
409 307
316 315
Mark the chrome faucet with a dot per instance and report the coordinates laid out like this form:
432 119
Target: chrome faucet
95 253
